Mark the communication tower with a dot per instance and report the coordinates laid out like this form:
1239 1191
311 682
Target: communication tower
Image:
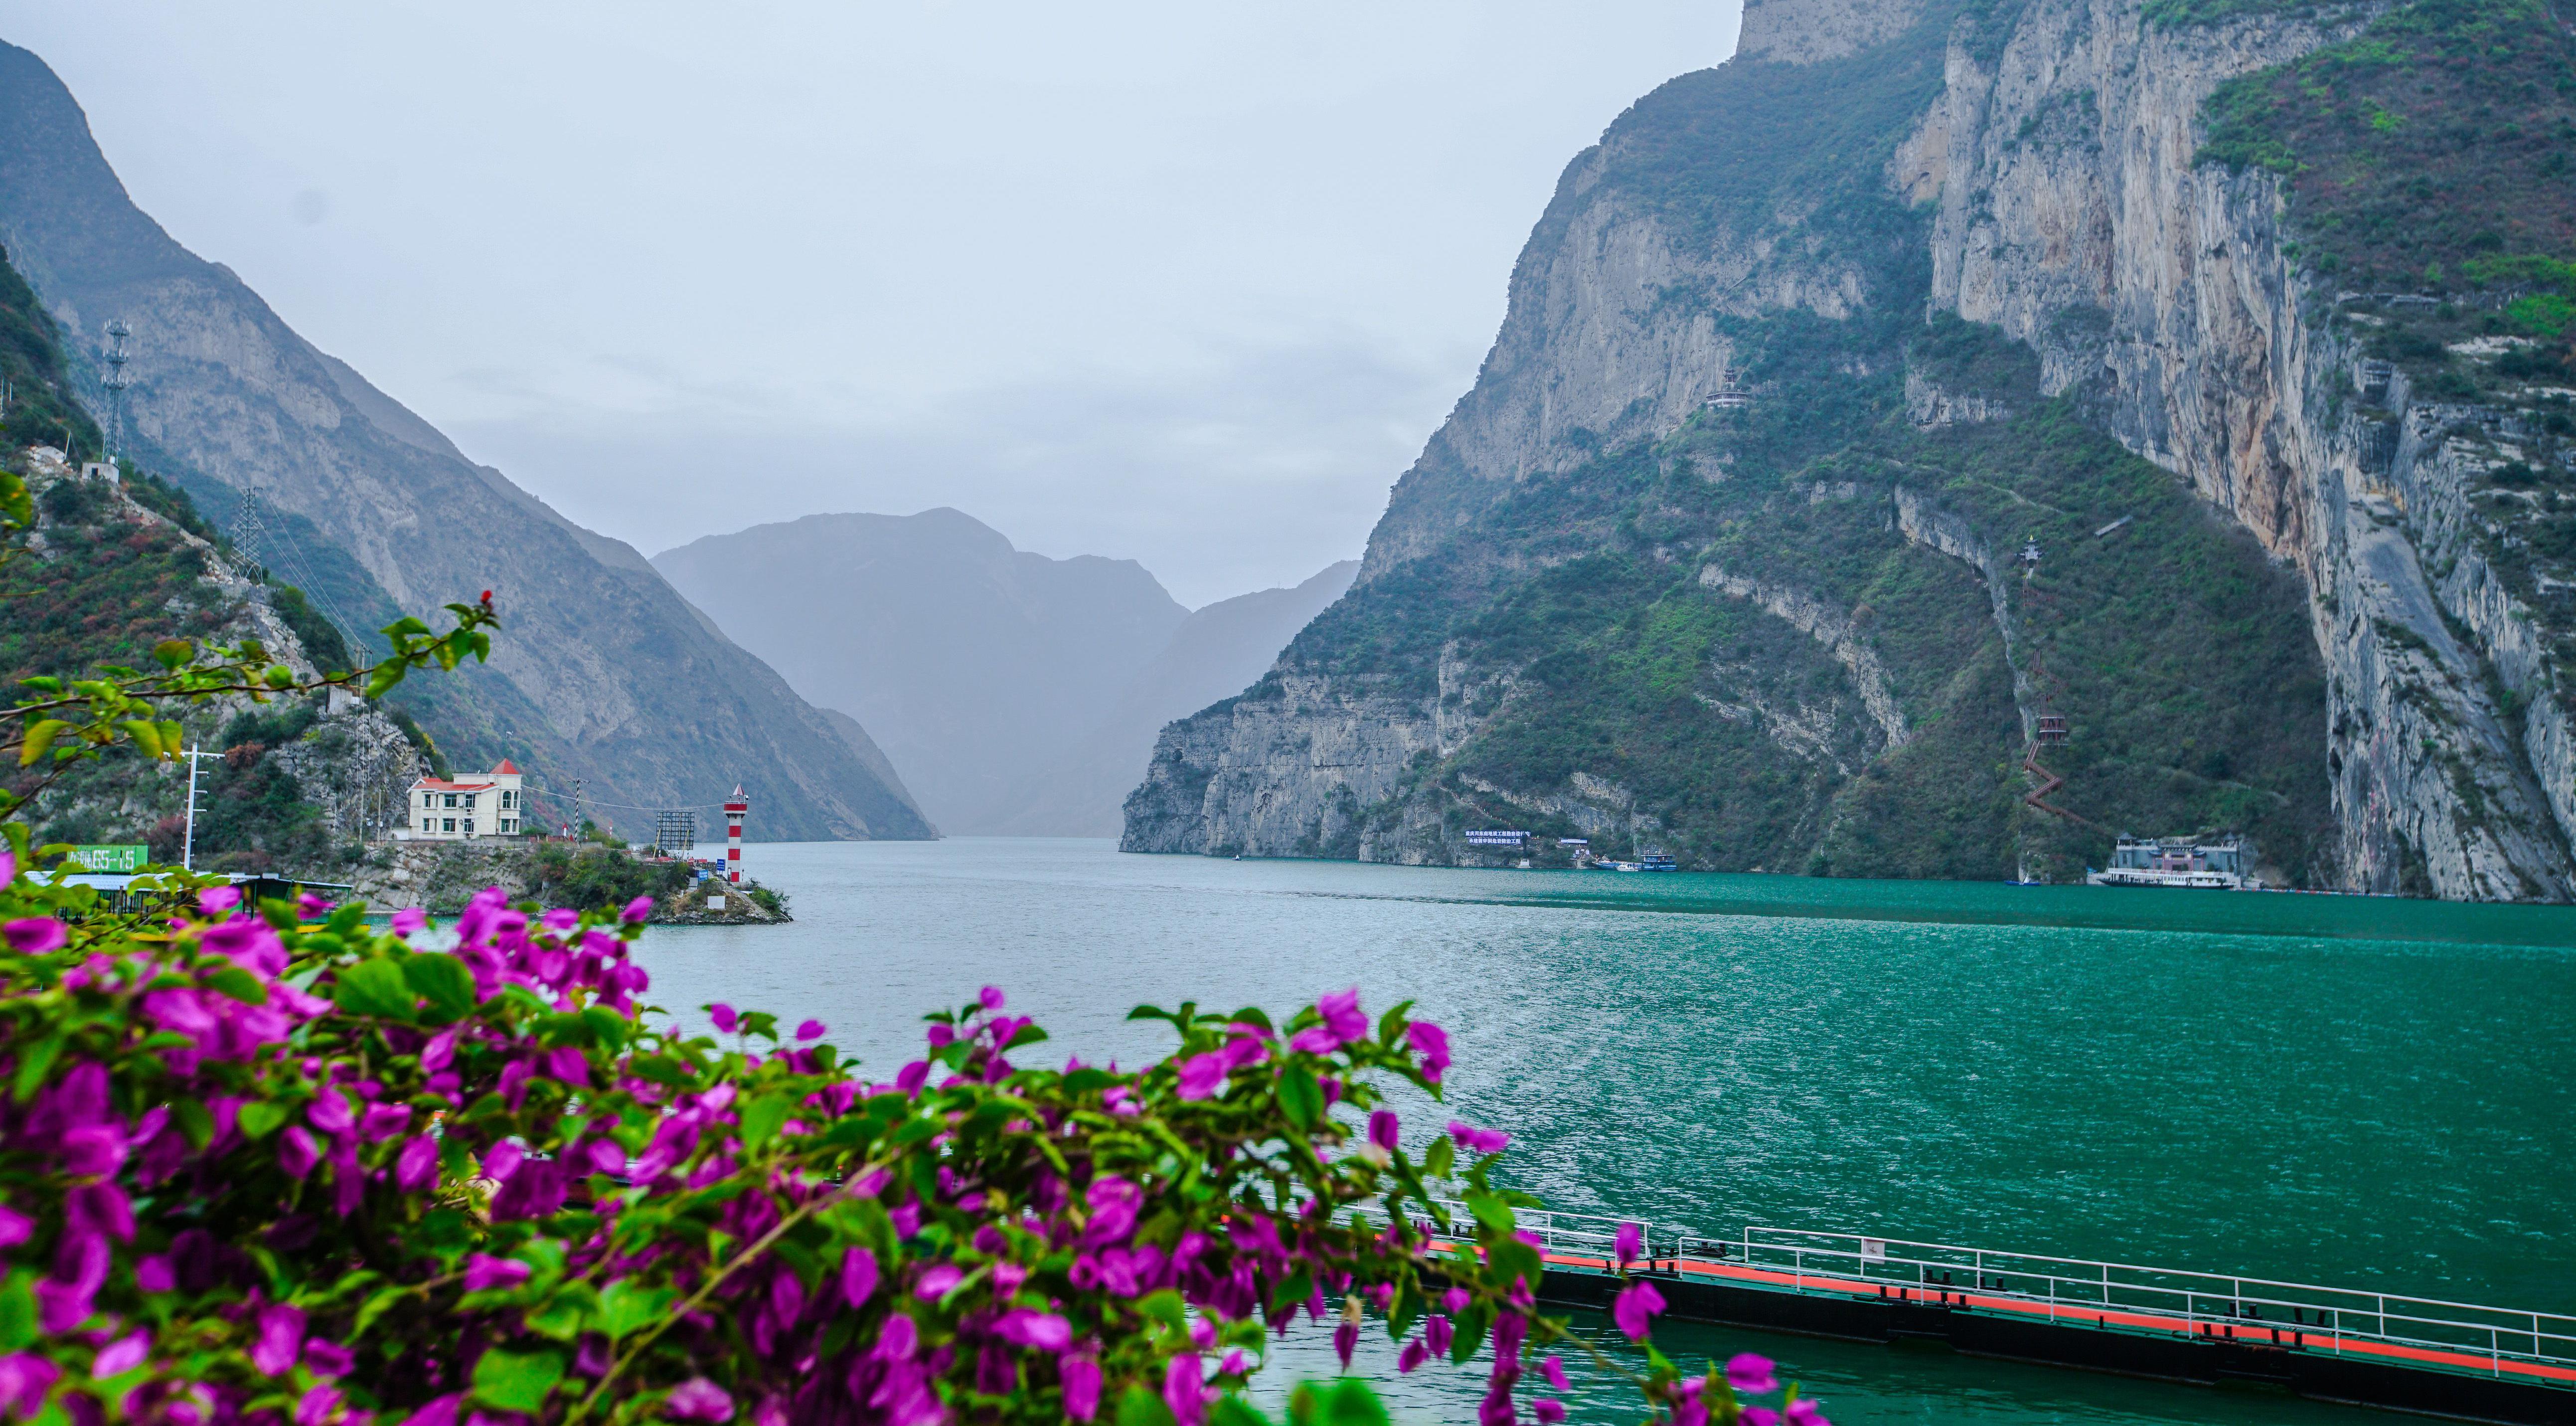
116 381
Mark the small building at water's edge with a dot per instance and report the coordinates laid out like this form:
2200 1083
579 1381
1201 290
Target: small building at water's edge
481 804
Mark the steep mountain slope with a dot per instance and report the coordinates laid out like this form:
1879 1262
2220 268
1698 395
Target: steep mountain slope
115 567
602 673
1212 655
1722 551
973 663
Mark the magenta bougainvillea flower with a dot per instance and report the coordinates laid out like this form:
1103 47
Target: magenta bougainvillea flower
1634 1309
1341 1012
1751 1373
1202 1076
35 935
1478 1141
1432 1043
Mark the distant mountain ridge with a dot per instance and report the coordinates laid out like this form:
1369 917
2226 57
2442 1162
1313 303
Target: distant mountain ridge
972 662
602 672
1215 654
1019 695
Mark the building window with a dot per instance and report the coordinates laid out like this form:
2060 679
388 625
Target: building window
429 824
505 801
469 799
451 799
509 825
469 826
451 823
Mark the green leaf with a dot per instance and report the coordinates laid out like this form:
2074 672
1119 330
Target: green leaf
1232 1410
40 736
146 735
1407 1307
1164 1306
627 1307
567 1313
240 984
1299 1286
374 987
1300 1097
1491 1211
174 653
32 1069
1088 1080
1515 1259
194 1122
1442 1157
18 1311
440 979
1390 1026
260 1118
1471 1332
607 1027
517 1381
1350 1402
377 1304
1139 1405
1026 1035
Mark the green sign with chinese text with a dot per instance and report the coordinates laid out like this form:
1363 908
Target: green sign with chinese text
110 858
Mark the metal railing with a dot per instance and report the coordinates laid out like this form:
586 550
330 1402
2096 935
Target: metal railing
2392 1328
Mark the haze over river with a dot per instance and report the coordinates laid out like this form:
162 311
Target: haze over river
2363 1093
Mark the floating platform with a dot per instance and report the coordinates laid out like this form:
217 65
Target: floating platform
2341 1345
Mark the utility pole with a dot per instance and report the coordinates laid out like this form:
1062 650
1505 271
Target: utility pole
188 846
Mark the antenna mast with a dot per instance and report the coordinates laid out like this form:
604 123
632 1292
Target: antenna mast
116 382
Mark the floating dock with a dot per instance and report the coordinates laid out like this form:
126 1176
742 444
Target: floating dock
2354 1347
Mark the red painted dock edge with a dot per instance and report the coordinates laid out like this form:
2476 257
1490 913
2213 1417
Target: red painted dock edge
2080 1314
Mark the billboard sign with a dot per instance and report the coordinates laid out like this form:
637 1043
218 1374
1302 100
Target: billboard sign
119 857
1496 839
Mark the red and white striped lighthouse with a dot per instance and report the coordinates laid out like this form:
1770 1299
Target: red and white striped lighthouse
735 807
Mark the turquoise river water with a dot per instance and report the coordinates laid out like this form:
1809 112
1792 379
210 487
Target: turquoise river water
2354 1092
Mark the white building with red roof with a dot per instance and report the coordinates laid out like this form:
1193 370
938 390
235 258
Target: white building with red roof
477 804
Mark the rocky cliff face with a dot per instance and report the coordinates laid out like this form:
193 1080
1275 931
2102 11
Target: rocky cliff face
2037 171
2068 174
602 672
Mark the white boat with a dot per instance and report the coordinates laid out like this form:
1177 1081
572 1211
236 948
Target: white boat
2178 862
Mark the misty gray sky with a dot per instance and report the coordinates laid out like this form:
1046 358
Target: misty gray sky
1183 282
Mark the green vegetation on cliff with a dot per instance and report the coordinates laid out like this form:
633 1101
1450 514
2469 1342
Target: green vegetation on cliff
2444 133
41 409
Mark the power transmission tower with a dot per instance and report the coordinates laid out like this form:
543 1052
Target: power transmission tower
250 534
